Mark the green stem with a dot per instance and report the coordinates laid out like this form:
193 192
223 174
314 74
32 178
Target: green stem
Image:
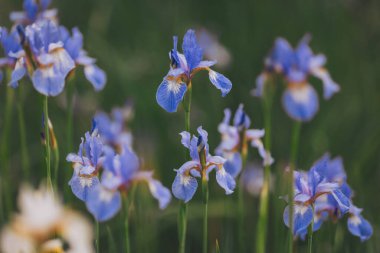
310 234
240 211
126 224
261 233
23 142
293 163
47 141
205 213
182 214
97 236
4 152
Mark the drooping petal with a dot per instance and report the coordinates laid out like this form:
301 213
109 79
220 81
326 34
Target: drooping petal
260 85
225 180
301 103
233 165
303 216
82 186
329 86
102 203
192 51
184 187
360 227
221 82
48 82
159 192
96 76
169 94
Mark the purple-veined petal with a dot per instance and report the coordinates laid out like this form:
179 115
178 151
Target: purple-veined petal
221 82
301 103
102 203
225 180
96 76
169 94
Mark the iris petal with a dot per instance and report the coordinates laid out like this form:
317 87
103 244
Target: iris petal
221 82
192 51
96 76
225 180
169 94
103 204
301 103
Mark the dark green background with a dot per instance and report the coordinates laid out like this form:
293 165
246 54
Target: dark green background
131 40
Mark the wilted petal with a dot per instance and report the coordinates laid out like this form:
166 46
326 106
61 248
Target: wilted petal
96 76
301 103
169 94
221 82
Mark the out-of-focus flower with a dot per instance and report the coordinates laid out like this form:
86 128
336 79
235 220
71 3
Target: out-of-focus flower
252 179
34 10
235 138
74 46
212 49
113 129
300 99
185 183
182 69
43 223
308 188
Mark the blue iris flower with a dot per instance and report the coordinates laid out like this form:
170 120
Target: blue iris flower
330 206
185 183
11 45
308 188
112 128
120 171
182 69
74 46
34 10
300 100
234 138
86 165
51 62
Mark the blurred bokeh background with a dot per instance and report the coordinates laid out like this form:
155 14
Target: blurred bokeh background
131 40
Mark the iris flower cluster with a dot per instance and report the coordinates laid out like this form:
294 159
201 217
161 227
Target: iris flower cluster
201 164
104 170
300 100
323 193
39 47
183 67
235 138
